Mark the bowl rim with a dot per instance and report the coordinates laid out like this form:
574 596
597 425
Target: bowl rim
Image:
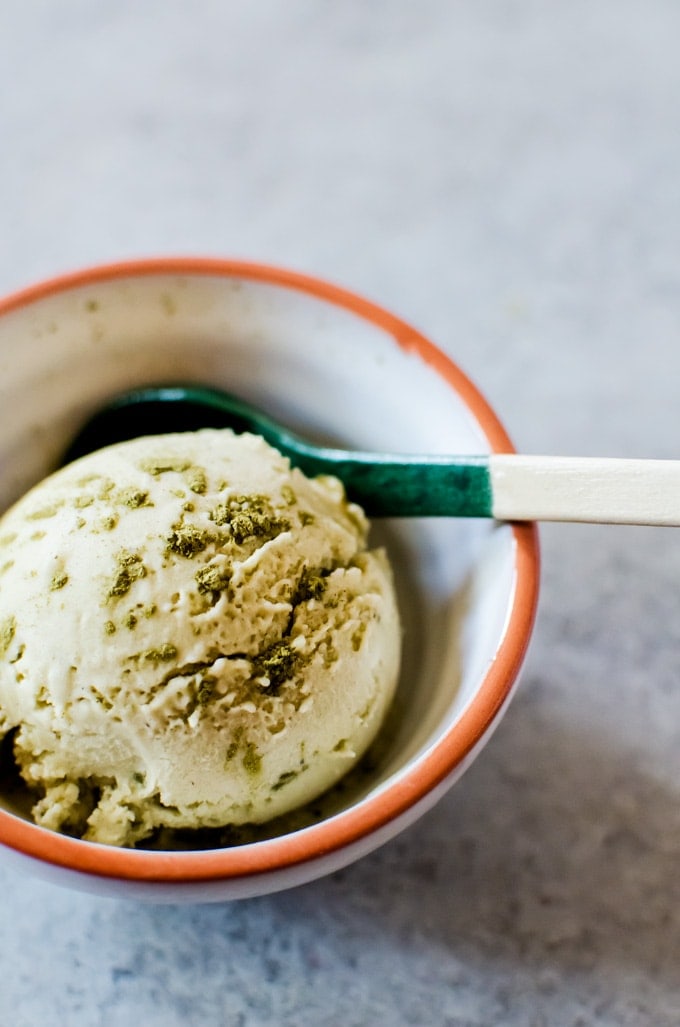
392 801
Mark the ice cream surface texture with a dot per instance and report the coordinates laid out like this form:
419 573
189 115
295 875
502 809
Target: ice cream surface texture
192 634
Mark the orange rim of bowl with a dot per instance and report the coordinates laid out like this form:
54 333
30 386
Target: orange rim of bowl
392 801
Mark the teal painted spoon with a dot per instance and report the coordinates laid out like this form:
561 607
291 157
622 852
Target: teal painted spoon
503 486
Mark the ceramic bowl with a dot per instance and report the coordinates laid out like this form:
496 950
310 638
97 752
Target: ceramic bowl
338 368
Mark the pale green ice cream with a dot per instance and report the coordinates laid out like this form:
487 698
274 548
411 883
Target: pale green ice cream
192 634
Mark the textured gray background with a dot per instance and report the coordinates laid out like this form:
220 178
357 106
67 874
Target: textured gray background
506 176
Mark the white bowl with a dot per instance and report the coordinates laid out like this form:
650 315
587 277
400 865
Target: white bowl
335 367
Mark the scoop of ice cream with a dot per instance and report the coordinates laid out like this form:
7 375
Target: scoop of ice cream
192 634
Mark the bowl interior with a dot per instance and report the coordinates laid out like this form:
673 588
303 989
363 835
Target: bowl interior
326 371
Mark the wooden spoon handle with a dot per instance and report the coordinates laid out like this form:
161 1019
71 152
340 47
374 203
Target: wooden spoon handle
593 489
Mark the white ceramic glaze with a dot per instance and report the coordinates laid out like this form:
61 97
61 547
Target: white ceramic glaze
337 368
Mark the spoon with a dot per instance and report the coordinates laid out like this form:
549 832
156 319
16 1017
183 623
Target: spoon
507 487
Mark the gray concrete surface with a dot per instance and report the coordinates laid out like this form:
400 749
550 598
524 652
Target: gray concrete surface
506 176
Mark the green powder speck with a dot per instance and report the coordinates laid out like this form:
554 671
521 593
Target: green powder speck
205 690
234 745
161 466
43 513
128 570
7 630
211 579
277 664
132 498
252 761
249 517
187 540
358 637
197 480
284 779
311 585
58 581
163 654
